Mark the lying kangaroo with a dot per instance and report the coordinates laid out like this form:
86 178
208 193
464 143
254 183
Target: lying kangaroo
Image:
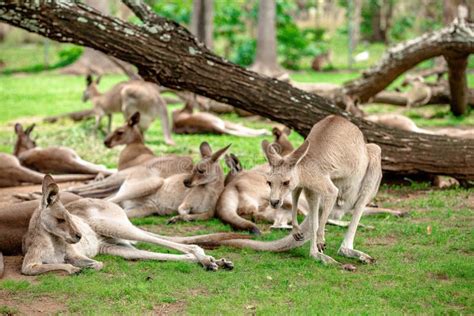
135 152
187 122
333 164
129 97
193 195
12 173
67 238
52 159
420 92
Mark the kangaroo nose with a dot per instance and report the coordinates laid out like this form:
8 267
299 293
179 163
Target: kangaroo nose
107 143
275 203
187 183
78 236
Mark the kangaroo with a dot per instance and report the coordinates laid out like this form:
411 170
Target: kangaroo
68 237
419 94
282 143
52 159
333 165
235 167
193 195
128 98
12 173
135 152
187 122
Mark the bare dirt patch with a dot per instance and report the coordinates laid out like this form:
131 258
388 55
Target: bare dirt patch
177 308
40 305
382 241
13 269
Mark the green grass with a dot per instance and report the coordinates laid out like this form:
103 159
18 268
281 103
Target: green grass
417 272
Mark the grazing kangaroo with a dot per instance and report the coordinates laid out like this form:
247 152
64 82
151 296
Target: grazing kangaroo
129 97
187 122
12 173
193 195
67 238
52 159
333 165
135 152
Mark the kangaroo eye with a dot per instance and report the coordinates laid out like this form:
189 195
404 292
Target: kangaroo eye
201 171
269 184
119 132
286 183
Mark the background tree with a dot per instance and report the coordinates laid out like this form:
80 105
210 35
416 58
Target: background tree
266 61
202 21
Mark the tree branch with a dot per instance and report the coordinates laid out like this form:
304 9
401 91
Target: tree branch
166 53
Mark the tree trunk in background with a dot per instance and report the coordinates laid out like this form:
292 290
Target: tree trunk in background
357 4
450 9
91 60
266 61
166 53
202 21
381 21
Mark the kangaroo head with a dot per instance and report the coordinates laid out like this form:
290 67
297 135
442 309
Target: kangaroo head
91 88
23 140
282 144
127 134
54 217
283 176
208 169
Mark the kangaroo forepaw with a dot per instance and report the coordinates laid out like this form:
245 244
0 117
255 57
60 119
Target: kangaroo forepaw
321 246
297 234
225 264
359 255
177 219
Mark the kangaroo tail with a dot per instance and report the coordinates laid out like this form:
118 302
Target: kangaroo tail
283 244
226 210
208 241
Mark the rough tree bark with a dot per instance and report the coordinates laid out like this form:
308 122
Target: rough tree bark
457 38
266 60
166 53
202 21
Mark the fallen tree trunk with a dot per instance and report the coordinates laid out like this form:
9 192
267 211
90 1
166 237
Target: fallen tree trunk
166 53
457 38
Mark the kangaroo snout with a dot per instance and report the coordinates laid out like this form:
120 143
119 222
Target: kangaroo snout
187 183
275 203
107 143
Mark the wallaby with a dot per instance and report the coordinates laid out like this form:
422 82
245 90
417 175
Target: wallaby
52 159
135 152
187 122
68 237
193 195
12 173
129 97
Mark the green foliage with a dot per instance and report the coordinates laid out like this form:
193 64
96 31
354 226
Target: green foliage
400 28
179 11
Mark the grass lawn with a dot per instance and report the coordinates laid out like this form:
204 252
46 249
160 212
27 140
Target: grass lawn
424 261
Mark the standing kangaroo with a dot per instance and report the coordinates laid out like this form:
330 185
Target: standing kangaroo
67 238
193 195
187 122
129 97
333 165
12 173
135 152
52 159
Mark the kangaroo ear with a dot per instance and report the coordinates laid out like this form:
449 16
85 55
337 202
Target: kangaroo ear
89 79
237 164
97 81
215 156
18 128
30 129
205 150
276 132
134 119
287 131
274 159
50 191
295 157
